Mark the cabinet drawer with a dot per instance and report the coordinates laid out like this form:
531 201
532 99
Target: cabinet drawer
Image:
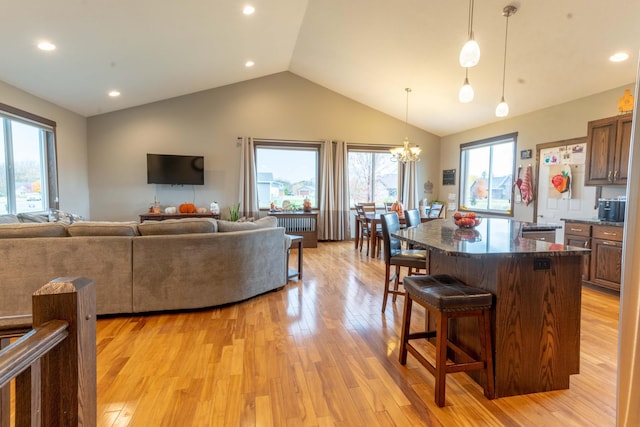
577 229
608 233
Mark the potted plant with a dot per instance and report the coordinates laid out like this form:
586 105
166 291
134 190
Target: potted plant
234 212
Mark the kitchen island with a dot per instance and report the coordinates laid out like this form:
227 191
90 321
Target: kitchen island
537 289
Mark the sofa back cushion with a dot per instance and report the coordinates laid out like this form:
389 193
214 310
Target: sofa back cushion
32 229
103 228
265 222
178 226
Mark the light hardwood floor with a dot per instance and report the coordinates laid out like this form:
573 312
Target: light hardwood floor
321 353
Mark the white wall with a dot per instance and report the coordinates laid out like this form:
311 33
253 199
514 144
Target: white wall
564 121
280 106
71 132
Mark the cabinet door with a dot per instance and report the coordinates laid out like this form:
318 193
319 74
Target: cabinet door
623 143
580 242
606 263
601 142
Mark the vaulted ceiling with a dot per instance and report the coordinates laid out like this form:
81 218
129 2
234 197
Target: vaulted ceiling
367 50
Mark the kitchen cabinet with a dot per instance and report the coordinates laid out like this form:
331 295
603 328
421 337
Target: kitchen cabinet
606 257
579 235
608 142
604 266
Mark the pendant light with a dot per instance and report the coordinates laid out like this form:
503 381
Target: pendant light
466 91
470 52
502 110
405 153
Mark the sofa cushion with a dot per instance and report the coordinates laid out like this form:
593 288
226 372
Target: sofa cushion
178 226
44 229
9 219
265 222
103 228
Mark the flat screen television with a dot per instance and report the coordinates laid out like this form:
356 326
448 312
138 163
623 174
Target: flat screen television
174 169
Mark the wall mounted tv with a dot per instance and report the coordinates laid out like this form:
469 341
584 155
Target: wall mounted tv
175 170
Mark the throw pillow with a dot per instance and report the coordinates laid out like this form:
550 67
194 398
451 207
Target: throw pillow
103 228
178 226
265 222
25 217
9 219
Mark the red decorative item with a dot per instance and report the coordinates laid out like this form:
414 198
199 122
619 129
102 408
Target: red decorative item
187 208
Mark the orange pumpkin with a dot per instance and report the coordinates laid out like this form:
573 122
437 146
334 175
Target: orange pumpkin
187 208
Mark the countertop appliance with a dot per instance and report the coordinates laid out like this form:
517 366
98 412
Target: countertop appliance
611 210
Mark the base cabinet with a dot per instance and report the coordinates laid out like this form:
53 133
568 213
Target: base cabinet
604 266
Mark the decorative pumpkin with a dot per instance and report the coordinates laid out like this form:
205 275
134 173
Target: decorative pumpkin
187 208
201 210
398 208
306 205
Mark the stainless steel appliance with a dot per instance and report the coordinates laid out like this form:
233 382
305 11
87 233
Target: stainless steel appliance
611 210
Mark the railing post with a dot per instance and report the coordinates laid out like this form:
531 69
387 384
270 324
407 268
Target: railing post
68 379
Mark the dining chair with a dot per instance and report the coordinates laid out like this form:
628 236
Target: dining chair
395 256
412 217
387 206
365 230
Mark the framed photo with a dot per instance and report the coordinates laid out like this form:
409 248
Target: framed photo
525 154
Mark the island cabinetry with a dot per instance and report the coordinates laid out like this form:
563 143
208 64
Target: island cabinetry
579 235
606 257
608 142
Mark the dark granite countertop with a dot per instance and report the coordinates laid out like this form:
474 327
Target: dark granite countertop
493 237
593 222
530 226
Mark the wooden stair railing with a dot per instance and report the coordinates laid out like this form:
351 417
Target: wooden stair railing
54 364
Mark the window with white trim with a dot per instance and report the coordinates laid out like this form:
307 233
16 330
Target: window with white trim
486 178
287 172
373 176
27 162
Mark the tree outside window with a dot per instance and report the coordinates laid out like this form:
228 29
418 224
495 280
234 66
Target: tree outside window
373 176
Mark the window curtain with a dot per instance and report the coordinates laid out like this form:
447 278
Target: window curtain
409 185
248 188
333 218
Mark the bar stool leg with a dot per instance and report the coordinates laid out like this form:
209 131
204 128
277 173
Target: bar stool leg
441 357
404 335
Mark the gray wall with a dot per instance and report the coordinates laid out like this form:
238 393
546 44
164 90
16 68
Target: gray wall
71 146
555 123
280 106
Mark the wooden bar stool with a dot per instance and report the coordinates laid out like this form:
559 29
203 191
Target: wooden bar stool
447 298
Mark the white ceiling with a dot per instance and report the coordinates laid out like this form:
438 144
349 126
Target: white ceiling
367 50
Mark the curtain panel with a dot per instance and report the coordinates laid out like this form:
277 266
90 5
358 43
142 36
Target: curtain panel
333 218
248 187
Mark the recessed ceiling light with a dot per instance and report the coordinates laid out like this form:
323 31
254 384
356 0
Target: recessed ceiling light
46 45
114 93
248 10
249 64
619 57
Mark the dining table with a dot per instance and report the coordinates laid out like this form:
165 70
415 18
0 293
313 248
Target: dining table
373 219
537 287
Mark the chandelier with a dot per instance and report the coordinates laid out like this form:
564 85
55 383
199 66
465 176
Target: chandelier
405 153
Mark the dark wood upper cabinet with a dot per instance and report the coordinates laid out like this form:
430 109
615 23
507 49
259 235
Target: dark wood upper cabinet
608 142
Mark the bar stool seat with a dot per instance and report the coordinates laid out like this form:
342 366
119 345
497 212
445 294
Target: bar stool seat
446 298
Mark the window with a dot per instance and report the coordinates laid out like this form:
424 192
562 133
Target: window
487 169
287 172
27 162
373 176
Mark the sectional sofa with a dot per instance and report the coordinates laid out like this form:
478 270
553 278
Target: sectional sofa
153 266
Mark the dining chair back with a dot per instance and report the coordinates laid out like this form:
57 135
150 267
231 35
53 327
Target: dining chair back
412 217
398 257
365 230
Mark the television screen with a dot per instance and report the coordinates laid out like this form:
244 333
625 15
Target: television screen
175 170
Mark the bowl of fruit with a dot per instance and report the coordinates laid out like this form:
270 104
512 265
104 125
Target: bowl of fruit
466 220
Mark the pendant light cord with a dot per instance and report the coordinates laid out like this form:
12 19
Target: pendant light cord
470 25
504 64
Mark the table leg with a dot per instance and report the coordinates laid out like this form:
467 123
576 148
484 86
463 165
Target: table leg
357 231
300 245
